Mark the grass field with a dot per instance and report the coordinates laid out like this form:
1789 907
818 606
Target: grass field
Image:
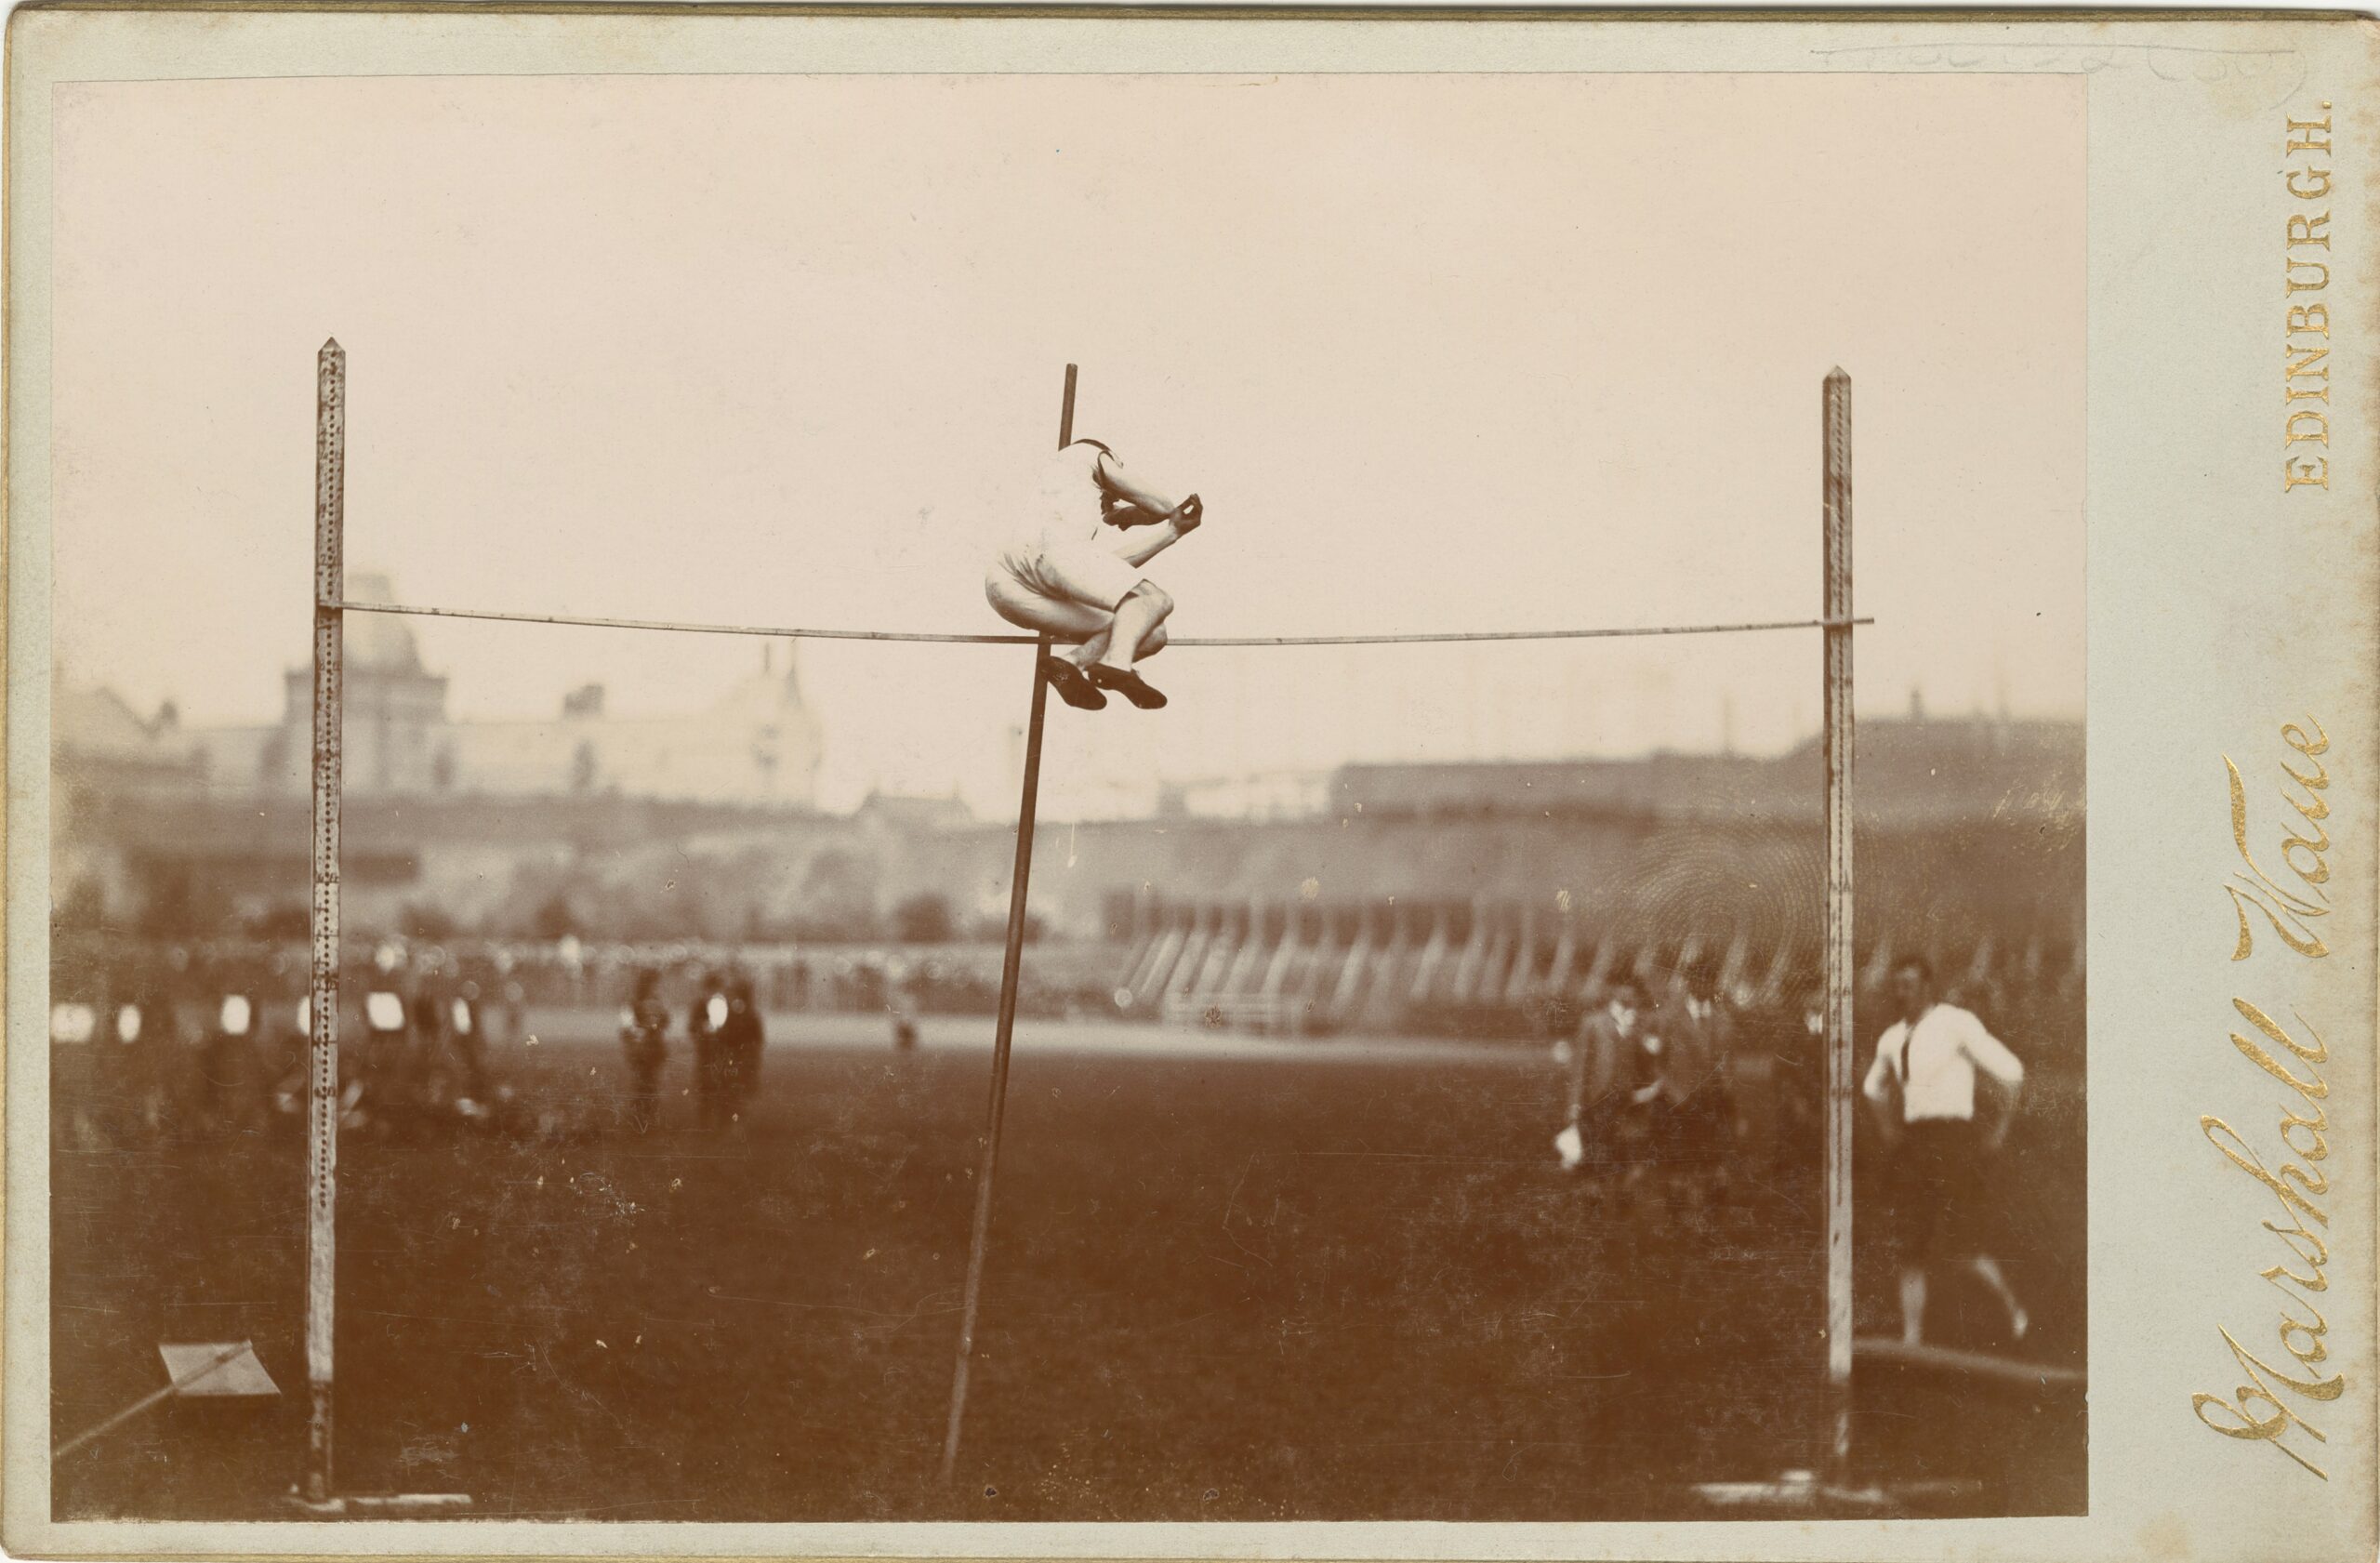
1317 1282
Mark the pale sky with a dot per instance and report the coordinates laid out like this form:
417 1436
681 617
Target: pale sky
1440 352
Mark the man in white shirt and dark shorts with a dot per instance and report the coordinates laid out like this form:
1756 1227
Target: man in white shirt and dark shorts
1923 1089
1067 576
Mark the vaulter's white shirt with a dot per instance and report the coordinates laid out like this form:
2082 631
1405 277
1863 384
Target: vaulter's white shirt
1068 506
1936 1064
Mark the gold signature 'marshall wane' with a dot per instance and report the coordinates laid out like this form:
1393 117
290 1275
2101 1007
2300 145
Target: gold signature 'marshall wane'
2288 904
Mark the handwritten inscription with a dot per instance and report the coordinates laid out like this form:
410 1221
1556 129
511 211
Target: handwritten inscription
2290 912
2287 902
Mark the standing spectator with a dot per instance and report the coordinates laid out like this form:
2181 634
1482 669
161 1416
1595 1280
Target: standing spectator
739 1043
77 1065
705 1020
427 1004
901 1003
644 1032
516 998
1796 1038
142 1030
389 1075
431 1019
230 1090
465 1033
1615 1080
1921 1087
1696 1037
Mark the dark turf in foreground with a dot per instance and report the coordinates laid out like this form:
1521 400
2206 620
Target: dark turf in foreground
1221 1289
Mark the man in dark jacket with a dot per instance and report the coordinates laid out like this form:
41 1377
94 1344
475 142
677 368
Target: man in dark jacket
644 1030
739 1043
705 1018
1616 1076
1698 1035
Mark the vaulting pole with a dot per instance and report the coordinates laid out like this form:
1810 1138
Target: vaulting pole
322 1098
1012 962
1835 399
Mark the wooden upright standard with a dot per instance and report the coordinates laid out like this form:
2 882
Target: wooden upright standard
1835 399
322 1095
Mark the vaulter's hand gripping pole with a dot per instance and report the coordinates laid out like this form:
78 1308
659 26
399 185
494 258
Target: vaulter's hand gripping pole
322 1095
1835 503
1012 962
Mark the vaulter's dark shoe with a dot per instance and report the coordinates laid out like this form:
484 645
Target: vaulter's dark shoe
1125 683
1072 687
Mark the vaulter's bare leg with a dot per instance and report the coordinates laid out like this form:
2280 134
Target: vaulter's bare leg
1095 648
1140 621
1137 618
1079 630
1091 650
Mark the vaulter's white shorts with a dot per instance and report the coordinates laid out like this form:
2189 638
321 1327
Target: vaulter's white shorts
1084 574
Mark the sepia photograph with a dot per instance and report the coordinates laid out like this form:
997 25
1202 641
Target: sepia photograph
1078 797
532 927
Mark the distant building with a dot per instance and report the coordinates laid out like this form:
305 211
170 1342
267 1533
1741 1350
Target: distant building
898 812
1966 824
104 753
1911 771
1259 795
95 736
758 744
